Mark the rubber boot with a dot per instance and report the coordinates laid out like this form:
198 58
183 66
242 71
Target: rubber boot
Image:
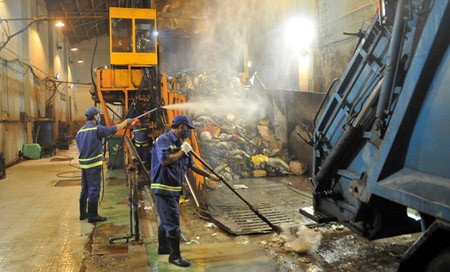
175 256
83 212
93 214
163 242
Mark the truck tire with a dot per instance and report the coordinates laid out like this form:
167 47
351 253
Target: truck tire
441 262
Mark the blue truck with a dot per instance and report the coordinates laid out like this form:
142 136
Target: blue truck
381 143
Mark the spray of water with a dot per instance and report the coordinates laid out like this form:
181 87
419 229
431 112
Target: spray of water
239 108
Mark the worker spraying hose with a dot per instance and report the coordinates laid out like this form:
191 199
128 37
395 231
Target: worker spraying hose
89 143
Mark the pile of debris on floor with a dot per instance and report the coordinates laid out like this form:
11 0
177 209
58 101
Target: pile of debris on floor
234 126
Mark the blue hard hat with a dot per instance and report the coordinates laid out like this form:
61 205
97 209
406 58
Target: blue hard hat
91 111
182 119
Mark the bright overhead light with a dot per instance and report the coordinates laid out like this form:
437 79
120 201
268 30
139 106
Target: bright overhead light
299 33
59 24
74 49
80 61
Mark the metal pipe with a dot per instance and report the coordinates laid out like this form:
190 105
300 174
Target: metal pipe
146 113
192 191
331 163
392 59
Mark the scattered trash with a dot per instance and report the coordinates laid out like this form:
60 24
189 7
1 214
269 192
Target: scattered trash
337 227
238 144
297 168
212 185
299 238
239 186
304 260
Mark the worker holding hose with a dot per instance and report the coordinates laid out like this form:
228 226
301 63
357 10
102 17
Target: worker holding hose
89 143
170 160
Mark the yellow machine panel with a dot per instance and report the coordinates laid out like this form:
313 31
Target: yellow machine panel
133 36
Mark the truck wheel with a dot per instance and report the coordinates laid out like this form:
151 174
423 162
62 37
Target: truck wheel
441 262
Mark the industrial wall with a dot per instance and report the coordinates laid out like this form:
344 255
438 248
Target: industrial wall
333 48
92 56
33 58
33 76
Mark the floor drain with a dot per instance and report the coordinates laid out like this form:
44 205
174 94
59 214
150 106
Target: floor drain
239 219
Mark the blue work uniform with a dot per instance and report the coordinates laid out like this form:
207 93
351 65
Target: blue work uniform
141 142
167 180
89 143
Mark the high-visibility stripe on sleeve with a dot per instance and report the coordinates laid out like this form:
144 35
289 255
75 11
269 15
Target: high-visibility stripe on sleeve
86 129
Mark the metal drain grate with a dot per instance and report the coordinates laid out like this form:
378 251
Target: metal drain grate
68 182
239 219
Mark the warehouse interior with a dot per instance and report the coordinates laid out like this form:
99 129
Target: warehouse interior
323 120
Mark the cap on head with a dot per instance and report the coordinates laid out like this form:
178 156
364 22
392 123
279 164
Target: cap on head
182 119
91 111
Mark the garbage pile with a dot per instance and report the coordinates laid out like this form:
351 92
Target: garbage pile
233 128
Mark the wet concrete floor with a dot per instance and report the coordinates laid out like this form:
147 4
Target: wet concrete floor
210 248
40 229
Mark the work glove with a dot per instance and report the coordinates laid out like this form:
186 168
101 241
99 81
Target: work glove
132 122
186 147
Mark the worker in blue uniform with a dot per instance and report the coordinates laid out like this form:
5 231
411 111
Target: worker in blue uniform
170 160
89 143
141 141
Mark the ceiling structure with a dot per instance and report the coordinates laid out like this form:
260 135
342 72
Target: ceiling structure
87 19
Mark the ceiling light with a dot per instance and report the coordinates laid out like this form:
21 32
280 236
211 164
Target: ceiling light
80 61
74 49
59 24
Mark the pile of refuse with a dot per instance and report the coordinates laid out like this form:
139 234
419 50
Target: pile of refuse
233 128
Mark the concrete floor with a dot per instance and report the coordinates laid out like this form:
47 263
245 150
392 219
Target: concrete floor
39 226
40 231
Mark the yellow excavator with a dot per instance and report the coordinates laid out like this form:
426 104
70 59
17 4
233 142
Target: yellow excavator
133 85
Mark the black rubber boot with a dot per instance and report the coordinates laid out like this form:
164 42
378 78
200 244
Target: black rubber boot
83 212
175 256
93 214
163 242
